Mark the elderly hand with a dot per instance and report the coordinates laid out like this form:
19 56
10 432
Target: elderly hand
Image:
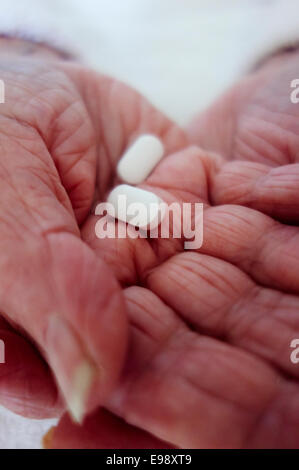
257 122
209 361
61 129
210 330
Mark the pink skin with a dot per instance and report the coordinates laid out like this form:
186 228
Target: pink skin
55 291
210 331
102 430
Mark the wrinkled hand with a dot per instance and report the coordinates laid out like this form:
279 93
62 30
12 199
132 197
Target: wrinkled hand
256 122
61 128
209 360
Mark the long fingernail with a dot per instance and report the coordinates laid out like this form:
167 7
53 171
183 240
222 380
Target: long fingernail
73 370
83 378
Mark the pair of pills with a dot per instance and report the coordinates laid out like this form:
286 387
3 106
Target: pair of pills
134 167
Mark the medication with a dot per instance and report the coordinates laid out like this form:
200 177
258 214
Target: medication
135 206
140 159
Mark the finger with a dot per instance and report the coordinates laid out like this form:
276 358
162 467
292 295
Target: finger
273 191
74 151
102 430
219 300
203 393
120 115
51 105
53 286
212 129
256 119
255 243
180 177
26 383
235 234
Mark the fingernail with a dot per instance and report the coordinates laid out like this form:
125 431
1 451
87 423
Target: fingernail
74 371
82 382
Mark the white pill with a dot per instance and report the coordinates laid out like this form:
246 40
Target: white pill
140 159
135 206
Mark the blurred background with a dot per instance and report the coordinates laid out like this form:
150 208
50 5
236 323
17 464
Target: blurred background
181 54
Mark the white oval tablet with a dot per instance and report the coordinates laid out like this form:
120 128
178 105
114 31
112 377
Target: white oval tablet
135 206
140 159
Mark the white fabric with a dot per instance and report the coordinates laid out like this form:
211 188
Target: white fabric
280 29
21 433
180 53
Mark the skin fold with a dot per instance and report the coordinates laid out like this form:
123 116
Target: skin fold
208 343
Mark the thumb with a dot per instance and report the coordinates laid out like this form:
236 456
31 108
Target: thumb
213 129
53 286
256 119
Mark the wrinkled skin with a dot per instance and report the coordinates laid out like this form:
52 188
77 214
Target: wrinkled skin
209 337
57 141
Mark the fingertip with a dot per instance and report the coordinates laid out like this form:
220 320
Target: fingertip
86 337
